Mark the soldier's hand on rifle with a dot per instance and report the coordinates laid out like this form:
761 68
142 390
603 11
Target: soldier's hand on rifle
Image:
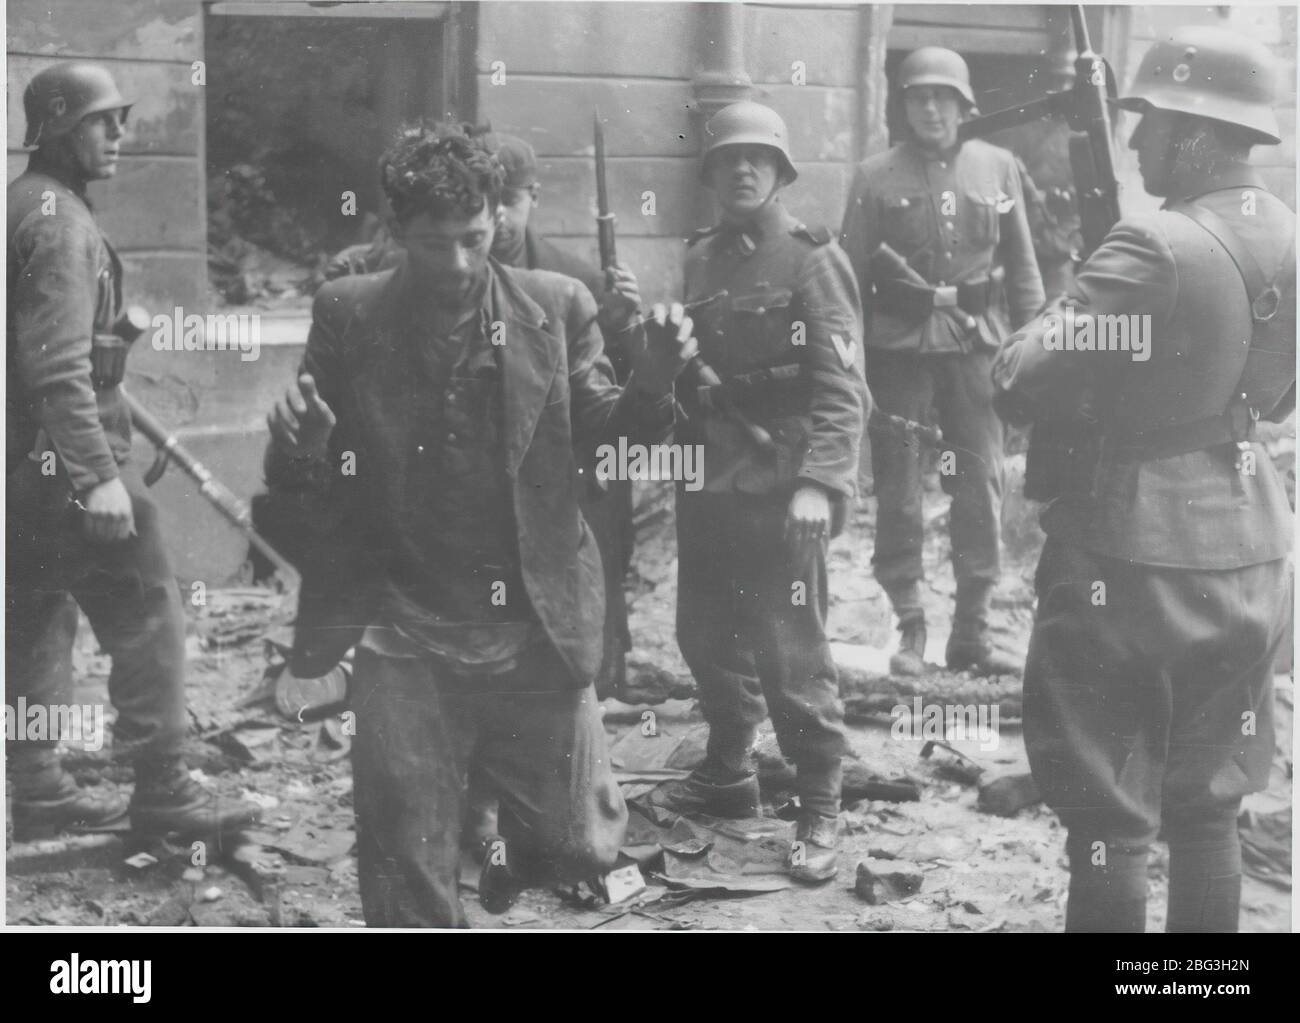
621 300
669 346
808 520
301 422
108 514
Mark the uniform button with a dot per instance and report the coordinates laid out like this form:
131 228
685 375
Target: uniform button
947 255
951 226
943 164
451 437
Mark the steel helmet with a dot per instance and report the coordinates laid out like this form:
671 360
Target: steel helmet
748 124
58 98
1210 72
933 65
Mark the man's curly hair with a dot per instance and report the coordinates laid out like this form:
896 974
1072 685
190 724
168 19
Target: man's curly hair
445 170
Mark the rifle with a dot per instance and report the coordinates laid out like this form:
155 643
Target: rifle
128 327
604 218
1062 450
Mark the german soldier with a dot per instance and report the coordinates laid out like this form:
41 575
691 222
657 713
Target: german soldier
1162 588
952 216
780 326
87 528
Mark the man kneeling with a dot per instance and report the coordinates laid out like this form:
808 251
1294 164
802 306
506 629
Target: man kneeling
425 461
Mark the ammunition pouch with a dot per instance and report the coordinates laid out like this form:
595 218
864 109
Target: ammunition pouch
914 302
107 360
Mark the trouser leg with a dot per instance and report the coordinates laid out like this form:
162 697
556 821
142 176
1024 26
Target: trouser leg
973 432
1108 885
129 593
410 757
1134 706
785 601
547 756
902 386
709 627
40 627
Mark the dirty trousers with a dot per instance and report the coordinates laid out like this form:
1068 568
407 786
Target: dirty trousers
961 389
751 625
1155 706
127 590
543 754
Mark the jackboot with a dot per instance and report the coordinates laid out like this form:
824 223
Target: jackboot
498 882
47 798
909 661
815 851
969 645
168 801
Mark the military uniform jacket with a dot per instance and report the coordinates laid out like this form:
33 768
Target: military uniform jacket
953 219
1193 510
557 386
784 332
64 286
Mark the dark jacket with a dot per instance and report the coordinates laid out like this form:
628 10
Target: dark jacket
558 388
64 286
783 305
1190 510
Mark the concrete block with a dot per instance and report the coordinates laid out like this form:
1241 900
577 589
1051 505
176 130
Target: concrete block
642 118
650 40
151 29
881 881
826 40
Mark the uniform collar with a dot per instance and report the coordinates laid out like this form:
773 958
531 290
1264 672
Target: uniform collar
923 155
39 163
771 220
1237 175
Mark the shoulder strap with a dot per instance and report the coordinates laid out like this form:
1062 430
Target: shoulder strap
1220 231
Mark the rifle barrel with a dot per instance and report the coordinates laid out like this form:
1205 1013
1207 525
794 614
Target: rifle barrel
232 509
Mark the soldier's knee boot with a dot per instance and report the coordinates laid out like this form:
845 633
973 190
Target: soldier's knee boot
970 647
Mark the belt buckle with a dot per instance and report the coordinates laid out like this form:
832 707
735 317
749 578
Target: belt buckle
945 297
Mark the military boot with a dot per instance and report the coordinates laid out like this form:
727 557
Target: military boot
711 792
909 661
815 850
168 801
979 656
47 798
970 647
498 881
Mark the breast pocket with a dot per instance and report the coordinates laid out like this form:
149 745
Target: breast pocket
761 329
906 222
980 219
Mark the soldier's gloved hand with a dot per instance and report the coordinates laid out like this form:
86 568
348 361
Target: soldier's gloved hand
301 422
108 515
669 346
621 300
808 520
